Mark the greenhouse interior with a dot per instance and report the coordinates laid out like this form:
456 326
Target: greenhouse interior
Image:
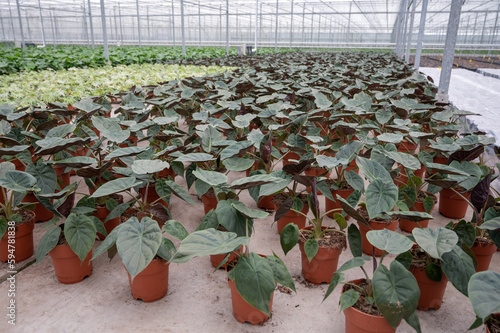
250 166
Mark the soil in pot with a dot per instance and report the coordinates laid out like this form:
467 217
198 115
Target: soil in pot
364 317
453 205
493 324
23 237
325 262
407 225
67 266
483 249
152 283
431 292
291 216
375 224
329 204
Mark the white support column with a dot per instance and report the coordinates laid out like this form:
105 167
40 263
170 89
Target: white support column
121 23
91 25
276 29
104 32
421 33
256 22
227 27
23 44
183 32
291 24
173 23
449 51
138 23
84 8
12 24
41 23
410 31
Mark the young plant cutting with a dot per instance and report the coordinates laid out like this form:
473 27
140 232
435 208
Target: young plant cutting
340 150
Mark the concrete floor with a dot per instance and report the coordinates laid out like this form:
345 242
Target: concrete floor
198 298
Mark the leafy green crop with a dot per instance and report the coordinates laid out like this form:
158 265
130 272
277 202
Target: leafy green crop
68 86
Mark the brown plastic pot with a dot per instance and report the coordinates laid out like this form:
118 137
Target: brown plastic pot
62 176
322 266
152 283
453 205
406 146
431 292
23 242
209 202
293 217
329 204
374 225
352 166
142 214
152 196
216 259
266 202
359 322
254 167
484 253
42 214
68 267
407 225
402 178
244 312
102 212
166 173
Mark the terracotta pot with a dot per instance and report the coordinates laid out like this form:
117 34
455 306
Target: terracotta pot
322 266
209 202
407 225
402 178
23 242
293 217
374 225
102 212
360 322
494 316
453 205
42 214
266 202
483 253
167 173
68 267
62 176
216 259
329 204
317 172
290 155
244 312
152 195
252 168
152 283
431 292
406 146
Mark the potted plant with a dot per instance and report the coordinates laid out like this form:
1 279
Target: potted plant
16 220
380 302
320 245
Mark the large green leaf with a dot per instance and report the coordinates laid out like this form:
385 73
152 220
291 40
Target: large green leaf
281 273
116 186
396 292
179 192
348 299
75 162
322 102
254 280
231 219
380 197
124 152
484 293
80 232
110 129
248 212
147 167
195 158
48 241
238 163
355 180
109 241
46 177
61 131
389 241
289 237
253 181
458 268
176 229
235 149
435 242
411 215
213 178
51 146
13 150
311 248
473 174
406 160
208 137
373 170
390 137
208 242
138 243
17 181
